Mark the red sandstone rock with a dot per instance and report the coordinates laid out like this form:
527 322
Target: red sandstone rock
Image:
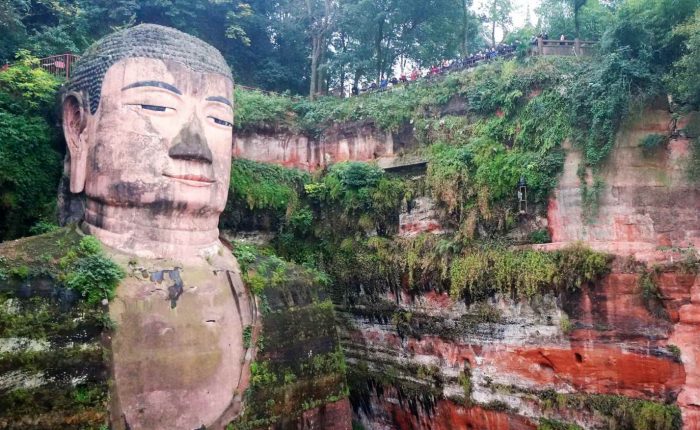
686 336
332 416
353 143
647 202
421 219
447 416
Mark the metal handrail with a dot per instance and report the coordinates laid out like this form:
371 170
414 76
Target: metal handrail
59 65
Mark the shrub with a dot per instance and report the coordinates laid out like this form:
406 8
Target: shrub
259 190
524 274
358 197
245 254
266 186
651 295
42 227
652 143
88 271
540 236
255 110
546 424
618 412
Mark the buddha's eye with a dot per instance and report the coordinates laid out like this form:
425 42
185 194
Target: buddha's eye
154 108
221 122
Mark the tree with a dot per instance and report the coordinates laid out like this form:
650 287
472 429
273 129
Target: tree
683 78
497 13
468 29
643 29
320 18
30 165
559 17
11 27
577 5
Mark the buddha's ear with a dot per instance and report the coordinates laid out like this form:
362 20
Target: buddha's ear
75 130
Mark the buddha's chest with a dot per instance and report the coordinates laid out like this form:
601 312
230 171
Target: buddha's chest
178 349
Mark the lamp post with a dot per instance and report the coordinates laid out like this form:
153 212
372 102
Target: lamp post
522 196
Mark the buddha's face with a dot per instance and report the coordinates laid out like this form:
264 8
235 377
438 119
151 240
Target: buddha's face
160 139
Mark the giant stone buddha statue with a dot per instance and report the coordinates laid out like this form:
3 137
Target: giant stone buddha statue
148 117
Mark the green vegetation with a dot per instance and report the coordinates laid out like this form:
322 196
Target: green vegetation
262 195
465 380
648 284
468 272
256 111
618 412
517 118
651 143
301 365
40 319
88 271
540 236
546 424
66 258
675 351
682 79
247 336
30 164
565 324
525 274
58 335
358 195
328 224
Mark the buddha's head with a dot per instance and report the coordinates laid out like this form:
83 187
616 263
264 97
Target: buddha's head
148 120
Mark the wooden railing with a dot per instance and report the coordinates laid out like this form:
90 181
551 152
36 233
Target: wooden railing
59 65
574 47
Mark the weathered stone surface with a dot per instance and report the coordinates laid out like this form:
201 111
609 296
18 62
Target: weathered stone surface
647 201
354 142
332 416
390 413
298 381
178 355
612 345
686 336
421 218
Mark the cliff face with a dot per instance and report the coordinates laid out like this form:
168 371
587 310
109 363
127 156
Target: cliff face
613 355
646 202
352 142
618 353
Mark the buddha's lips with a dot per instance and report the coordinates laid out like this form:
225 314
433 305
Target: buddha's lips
202 180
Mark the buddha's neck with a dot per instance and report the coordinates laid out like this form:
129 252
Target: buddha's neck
143 233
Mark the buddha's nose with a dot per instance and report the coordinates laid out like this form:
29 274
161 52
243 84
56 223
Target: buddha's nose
191 144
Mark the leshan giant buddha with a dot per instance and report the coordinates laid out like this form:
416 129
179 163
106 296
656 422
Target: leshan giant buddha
148 117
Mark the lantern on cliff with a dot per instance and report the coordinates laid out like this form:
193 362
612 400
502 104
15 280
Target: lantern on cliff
522 196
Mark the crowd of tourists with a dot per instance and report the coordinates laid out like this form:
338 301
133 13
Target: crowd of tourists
503 50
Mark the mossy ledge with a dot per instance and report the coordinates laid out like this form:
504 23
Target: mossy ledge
300 364
53 361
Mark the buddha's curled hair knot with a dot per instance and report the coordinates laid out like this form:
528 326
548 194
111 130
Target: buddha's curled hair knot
142 41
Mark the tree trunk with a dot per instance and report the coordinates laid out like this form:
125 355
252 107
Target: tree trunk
315 54
465 24
493 34
378 49
321 84
342 66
